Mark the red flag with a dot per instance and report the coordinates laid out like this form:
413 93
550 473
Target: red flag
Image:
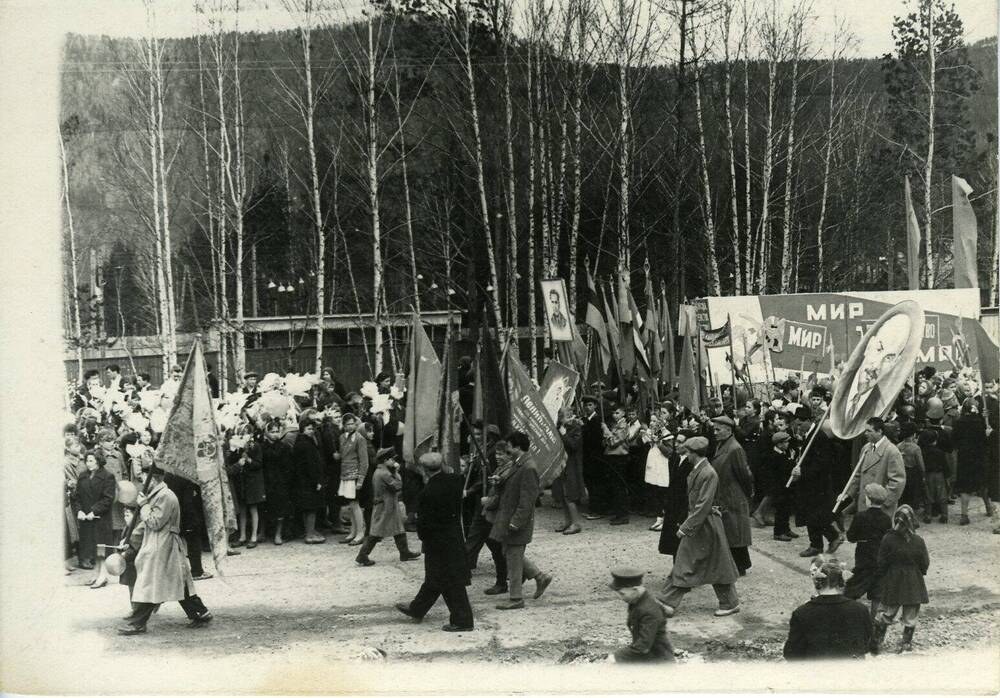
912 241
965 233
596 320
422 394
190 448
652 339
637 334
614 331
623 318
688 384
528 414
669 370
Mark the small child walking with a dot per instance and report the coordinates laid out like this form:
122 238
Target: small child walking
902 564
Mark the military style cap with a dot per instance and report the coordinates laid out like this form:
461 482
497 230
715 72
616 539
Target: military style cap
622 577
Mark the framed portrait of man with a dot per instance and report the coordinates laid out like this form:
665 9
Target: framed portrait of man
557 314
877 369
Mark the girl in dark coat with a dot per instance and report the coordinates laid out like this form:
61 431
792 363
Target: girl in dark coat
902 564
309 470
250 482
276 457
969 439
94 495
675 503
569 485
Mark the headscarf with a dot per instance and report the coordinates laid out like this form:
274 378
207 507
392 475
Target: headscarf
904 521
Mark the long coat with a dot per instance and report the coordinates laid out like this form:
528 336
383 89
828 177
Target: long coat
867 530
161 566
515 520
571 478
814 490
969 437
279 473
882 464
675 504
902 565
386 486
648 624
734 492
439 527
250 481
309 473
703 555
95 494
829 627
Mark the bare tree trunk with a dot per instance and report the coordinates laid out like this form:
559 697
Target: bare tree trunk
748 270
254 282
218 49
574 228
377 262
480 174
407 207
827 157
714 285
317 206
511 181
786 232
161 284
210 204
168 272
624 242
531 215
238 193
764 249
77 334
929 163
733 193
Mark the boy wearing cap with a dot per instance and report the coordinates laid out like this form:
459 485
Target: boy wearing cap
647 620
867 530
386 522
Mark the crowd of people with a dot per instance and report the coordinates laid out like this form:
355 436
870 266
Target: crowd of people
307 459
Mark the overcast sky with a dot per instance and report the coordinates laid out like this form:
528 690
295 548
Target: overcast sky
870 20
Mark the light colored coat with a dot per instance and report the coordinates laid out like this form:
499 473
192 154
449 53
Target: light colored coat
882 464
703 555
386 519
161 566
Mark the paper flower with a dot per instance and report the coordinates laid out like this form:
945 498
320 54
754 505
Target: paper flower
136 450
136 422
237 442
271 381
149 399
298 385
157 420
369 389
396 392
381 403
791 407
273 404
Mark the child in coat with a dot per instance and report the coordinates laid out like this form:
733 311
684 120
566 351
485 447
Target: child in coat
936 473
647 620
902 564
867 530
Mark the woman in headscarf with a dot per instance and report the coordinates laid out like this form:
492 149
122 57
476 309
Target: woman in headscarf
902 564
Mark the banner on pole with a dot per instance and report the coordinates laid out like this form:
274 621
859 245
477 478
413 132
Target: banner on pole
556 304
529 414
558 388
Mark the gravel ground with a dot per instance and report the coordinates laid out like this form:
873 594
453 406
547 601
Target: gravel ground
296 597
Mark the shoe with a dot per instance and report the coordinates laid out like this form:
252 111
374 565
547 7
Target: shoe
571 530
86 565
252 544
496 590
345 541
964 521
409 556
511 605
338 531
405 610
231 553
810 552
783 537
315 540
357 541
593 517
793 534
278 541
200 620
456 628
906 644
541 584
238 544
722 612
364 562
834 544
560 529
926 518
657 525
131 630
202 576
619 521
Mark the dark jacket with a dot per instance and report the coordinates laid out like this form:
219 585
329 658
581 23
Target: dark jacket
675 505
829 627
592 438
867 530
95 493
309 473
439 527
779 465
189 498
814 490
648 625
279 475
935 460
515 520
902 565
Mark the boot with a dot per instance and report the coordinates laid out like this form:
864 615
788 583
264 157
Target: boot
403 547
366 548
880 627
906 645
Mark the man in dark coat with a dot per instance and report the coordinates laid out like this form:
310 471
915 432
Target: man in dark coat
647 621
192 520
593 464
735 490
439 527
483 465
815 494
515 522
830 625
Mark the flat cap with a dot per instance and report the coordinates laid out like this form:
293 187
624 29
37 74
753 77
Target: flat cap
780 437
385 454
698 444
726 420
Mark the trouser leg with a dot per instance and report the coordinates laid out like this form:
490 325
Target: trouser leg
474 540
193 541
781 515
426 597
815 537
499 560
673 595
515 569
617 486
141 611
459 608
367 547
726 594
529 570
402 545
